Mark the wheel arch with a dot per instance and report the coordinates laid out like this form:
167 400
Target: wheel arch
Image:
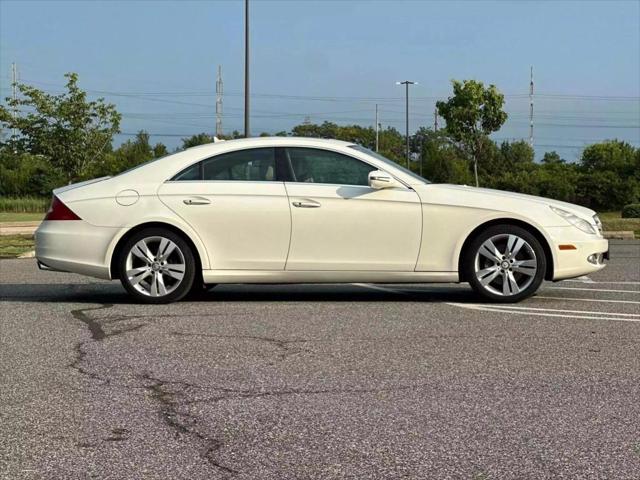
548 275
113 269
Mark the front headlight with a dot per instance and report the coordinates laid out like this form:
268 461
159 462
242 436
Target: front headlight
574 220
598 223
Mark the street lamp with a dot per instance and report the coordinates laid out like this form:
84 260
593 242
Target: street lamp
246 69
406 83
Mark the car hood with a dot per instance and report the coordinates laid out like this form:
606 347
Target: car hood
503 197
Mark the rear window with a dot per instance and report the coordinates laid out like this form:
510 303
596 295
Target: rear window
249 165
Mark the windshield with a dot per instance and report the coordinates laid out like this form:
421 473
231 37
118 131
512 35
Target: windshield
377 156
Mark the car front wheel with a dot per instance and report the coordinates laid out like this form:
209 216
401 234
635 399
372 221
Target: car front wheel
157 266
505 263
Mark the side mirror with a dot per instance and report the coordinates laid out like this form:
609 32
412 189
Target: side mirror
379 180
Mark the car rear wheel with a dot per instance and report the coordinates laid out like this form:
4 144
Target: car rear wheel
157 266
505 263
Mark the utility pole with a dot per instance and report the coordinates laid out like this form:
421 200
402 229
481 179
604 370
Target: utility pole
406 83
377 129
531 110
246 69
219 92
14 96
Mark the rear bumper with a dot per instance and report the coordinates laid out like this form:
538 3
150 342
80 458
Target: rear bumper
587 255
74 246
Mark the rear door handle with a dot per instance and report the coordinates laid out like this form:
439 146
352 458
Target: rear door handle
196 201
306 204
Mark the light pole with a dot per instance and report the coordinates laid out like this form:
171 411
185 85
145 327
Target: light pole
406 83
246 69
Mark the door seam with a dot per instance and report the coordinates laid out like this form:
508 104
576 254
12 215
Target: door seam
286 261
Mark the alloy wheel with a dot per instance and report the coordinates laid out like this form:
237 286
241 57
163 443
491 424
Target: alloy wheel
505 264
155 266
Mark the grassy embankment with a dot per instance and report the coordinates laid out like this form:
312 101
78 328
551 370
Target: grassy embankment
25 209
24 205
12 246
612 222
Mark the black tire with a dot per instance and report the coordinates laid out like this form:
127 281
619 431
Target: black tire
531 252
178 288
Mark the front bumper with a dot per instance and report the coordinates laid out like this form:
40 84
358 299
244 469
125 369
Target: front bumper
586 255
74 246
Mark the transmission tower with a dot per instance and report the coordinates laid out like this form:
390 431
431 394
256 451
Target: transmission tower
531 110
219 91
377 129
14 96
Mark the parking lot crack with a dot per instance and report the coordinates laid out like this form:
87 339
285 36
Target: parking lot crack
286 347
183 423
98 334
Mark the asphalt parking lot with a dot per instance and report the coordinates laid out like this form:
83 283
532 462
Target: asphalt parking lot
320 382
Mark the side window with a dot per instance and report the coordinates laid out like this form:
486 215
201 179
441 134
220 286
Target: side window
323 166
257 164
190 173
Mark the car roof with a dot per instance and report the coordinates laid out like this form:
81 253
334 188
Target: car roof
240 143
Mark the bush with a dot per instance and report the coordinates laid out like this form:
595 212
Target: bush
631 211
24 204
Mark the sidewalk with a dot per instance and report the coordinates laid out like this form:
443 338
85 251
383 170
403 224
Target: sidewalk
18 228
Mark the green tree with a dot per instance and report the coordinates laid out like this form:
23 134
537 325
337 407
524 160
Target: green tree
23 174
128 155
440 159
197 139
556 178
471 114
610 175
67 130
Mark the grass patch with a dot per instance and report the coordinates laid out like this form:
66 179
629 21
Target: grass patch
612 221
24 204
20 217
12 246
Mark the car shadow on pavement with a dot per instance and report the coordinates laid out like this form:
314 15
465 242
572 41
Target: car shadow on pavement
113 293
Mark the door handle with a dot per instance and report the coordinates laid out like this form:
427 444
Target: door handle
306 204
196 201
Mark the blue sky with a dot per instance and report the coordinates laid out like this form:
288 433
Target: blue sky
334 60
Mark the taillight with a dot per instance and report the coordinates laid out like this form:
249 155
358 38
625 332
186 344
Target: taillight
59 211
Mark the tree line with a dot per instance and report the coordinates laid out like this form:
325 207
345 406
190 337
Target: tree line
66 138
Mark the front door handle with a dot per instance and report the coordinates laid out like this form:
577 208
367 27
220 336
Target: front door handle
196 201
306 204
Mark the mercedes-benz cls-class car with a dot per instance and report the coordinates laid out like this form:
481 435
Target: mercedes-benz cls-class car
297 210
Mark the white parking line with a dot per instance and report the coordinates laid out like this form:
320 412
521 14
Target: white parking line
593 289
502 309
590 281
582 279
544 297
514 307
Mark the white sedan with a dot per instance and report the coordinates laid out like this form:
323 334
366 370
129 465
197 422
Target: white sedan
298 210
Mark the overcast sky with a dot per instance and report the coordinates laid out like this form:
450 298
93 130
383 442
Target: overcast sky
334 60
